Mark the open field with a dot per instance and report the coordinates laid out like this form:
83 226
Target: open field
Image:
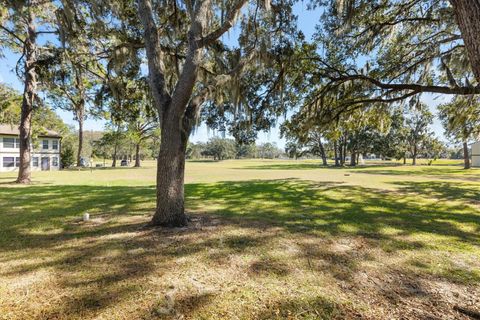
268 240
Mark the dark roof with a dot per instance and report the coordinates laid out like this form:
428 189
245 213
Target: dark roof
10 130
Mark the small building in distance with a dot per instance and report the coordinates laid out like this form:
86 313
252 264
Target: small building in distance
476 154
45 152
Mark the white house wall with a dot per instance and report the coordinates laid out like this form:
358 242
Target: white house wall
476 154
39 152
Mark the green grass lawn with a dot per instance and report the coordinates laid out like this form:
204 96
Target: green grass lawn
267 240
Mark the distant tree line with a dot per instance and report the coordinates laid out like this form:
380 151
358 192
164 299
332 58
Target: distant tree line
390 133
223 148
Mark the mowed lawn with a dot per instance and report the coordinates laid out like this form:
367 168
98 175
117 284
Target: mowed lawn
267 240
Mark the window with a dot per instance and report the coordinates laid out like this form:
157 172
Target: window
45 144
17 143
35 161
8 162
55 161
55 144
9 143
17 162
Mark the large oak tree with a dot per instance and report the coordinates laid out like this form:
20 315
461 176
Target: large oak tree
208 70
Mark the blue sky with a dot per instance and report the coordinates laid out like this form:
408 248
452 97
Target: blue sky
306 20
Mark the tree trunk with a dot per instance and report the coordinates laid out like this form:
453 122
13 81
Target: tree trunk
177 112
29 91
467 14
335 147
466 157
353 159
114 156
80 140
340 153
414 155
170 211
322 153
137 155
79 106
404 159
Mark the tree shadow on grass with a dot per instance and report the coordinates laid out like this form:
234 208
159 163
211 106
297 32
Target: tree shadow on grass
447 172
202 160
35 215
45 208
285 166
106 168
311 165
331 208
319 307
46 218
443 190
6 180
11 182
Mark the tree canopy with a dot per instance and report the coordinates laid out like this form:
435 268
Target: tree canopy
370 52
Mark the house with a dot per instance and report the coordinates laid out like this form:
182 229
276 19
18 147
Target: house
476 154
45 151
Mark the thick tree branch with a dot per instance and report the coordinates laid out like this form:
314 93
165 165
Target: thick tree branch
418 88
184 87
154 55
193 110
227 24
12 34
